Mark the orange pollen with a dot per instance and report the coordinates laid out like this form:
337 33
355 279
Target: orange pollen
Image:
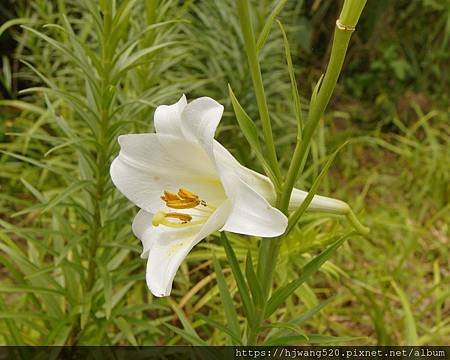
168 196
185 218
184 199
182 204
187 195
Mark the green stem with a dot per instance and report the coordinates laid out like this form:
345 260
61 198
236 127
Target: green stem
349 17
102 150
250 47
270 248
101 175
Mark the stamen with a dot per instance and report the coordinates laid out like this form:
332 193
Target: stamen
185 194
168 196
182 204
185 218
184 199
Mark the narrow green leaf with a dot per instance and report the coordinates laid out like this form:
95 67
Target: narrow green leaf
250 132
245 123
268 25
125 328
72 188
61 47
240 281
122 12
90 117
125 64
253 281
311 339
12 22
194 340
107 288
245 20
186 324
294 88
8 314
37 194
287 340
92 8
136 38
295 217
86 306
45 79
27 268
59 333
30 289
326 339
6 79
314 94
22 105
15 335
408 320
227 302
299 320
311 312
287 326
215 324
119 294
310 268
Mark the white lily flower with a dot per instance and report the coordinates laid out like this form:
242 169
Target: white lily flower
188 186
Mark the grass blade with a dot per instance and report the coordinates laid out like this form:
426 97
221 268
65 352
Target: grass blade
310 268
253 281
250 132
294 88
221 327
240 281
409 323
227 301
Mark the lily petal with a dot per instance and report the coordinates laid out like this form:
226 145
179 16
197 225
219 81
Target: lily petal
319 203
167 118
263 186
251 214
144 231
170 247
148 163
200 119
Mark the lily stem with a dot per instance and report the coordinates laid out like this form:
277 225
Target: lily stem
258 86
348 19
270 248
102 155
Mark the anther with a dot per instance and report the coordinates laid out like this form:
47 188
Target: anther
184 199
182 204
168 196
185 218
186 194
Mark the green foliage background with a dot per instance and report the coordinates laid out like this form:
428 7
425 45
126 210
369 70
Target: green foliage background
70 271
